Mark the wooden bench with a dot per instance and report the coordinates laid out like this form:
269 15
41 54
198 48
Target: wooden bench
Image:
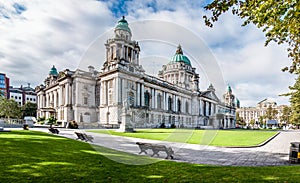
84 137
155 149
53 130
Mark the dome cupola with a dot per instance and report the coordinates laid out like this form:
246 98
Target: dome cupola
53 71
179 57
122 29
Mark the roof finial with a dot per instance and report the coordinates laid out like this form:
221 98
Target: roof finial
179 50
229 88
123 17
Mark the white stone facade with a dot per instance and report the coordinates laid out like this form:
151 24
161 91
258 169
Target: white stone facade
173 97
254 113
23 95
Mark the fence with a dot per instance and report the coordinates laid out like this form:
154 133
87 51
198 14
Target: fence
11 123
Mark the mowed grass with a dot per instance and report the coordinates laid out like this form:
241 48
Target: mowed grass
204 137
30 156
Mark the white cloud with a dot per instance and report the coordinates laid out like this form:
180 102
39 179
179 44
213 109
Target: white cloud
49 33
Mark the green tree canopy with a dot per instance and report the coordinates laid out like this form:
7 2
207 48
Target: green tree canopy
295 102
51 120
286 114
271 113
29 109
239 120
279 19
9 108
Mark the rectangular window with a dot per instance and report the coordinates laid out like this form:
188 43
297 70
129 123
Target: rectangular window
85 100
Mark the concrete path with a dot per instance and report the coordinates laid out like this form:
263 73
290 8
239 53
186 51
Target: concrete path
274 153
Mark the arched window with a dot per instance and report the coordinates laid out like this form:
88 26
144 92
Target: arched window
147 99
178 105
159 101
170 102
131 98
187 107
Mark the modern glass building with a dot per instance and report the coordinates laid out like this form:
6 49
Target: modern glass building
4 85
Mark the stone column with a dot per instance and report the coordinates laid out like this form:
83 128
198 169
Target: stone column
47 100
155 99
166 101
138 94
77 93
207 108
118 90
174 98
60 95
104 93
142 95
204 108
54 98
39 101
152 98
43 100
131 55
70 93
67 93
121 90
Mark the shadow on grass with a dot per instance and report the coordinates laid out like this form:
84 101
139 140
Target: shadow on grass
57 159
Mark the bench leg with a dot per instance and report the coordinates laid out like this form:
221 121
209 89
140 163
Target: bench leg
143 151
155 153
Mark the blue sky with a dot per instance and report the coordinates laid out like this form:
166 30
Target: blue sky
38 34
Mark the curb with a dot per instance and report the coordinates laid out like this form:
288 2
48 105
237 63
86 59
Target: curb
259 145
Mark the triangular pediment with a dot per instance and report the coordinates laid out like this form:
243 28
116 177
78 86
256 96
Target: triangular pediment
210 95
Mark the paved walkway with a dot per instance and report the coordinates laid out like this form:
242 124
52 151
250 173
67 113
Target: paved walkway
274 153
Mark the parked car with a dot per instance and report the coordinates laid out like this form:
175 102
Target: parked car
29 120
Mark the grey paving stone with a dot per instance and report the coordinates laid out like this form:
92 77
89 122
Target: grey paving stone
274 153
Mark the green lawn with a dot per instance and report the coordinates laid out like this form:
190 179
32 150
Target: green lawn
204 137
29 156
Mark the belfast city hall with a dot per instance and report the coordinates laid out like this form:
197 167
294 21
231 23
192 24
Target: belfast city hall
173 97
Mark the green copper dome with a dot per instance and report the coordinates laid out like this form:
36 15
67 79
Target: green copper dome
238 104
123 25
179 57
53 71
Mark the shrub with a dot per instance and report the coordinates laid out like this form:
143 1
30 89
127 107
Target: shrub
162 125
173 125
41 119
73 125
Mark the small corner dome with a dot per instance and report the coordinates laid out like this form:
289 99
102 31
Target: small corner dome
123 25
53 71
179 57
229 89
